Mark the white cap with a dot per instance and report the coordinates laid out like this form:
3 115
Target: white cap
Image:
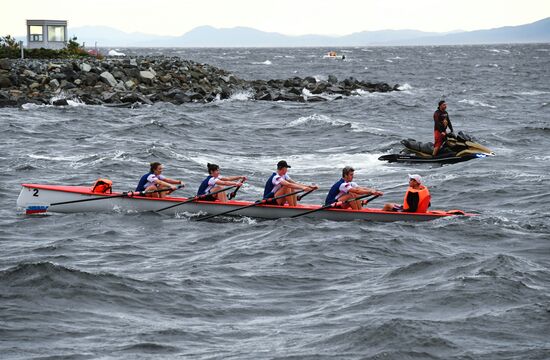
415 177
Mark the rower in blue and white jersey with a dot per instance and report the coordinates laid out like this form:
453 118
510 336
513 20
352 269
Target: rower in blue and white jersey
280 183
214 182
345 189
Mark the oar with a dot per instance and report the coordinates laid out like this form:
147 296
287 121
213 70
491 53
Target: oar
234 192
195 198
259 202
124 194
334 204
300 197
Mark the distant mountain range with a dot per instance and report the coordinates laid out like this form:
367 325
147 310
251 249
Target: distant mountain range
207 36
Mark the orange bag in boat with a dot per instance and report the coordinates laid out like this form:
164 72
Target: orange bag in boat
103 186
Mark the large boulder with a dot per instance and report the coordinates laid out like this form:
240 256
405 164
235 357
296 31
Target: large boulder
54 84
5 64
147 77
85 67
60 102
90 79
108 78
5 82
29 73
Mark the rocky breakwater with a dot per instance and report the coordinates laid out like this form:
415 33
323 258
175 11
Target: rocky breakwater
145 80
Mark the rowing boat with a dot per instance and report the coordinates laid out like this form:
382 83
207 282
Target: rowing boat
39 198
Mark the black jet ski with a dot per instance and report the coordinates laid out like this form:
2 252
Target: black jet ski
456 148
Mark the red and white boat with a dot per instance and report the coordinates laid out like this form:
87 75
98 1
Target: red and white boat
38 198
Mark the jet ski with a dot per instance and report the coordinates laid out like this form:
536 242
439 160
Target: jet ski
456 148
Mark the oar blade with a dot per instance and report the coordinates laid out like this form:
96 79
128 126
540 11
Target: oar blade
36 209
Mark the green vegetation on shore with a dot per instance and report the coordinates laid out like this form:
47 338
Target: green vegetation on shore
9 48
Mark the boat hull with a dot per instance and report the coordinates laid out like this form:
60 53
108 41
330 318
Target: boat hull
34 197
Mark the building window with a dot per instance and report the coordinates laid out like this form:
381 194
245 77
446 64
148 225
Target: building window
36 33
56 33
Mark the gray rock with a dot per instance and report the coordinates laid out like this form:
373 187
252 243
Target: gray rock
34 85
60 102
332 79
193 95
315 99
264 96
5 64
147 77
108 78
5 82
108 96
77 82
58 76
29 73
295 91
90 79
130 84
54 84
8 102
85 67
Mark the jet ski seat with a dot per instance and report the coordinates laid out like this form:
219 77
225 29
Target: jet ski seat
427 147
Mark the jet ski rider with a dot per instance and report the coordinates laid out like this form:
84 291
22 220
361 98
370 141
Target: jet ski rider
441 123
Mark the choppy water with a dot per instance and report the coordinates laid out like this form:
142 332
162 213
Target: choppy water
87 286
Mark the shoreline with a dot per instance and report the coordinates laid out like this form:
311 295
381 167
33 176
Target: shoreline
150 79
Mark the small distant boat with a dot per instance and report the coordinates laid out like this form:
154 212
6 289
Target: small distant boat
333 55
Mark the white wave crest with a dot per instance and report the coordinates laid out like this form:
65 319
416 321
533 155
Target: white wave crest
243 95
319 78
316 120
532 93
405 87
267 62
476 103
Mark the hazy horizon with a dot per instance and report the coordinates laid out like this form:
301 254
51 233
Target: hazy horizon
291 18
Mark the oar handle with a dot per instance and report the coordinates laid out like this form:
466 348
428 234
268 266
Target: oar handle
234 192
300 197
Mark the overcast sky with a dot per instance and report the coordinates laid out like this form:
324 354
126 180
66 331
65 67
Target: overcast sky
291 17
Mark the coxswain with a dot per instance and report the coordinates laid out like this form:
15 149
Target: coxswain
345 189
417 198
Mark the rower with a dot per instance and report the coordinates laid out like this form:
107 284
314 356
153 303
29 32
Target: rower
213 182
154 180
345 189
417 198
280 183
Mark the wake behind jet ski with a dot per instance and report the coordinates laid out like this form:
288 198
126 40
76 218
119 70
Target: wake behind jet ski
456 148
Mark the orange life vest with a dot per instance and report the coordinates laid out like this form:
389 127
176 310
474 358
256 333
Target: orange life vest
424 198
103 186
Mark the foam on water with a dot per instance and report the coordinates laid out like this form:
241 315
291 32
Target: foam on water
476 103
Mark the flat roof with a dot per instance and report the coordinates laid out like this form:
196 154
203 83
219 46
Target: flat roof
42 22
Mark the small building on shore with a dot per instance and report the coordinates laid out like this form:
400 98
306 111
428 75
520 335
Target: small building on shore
48 34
